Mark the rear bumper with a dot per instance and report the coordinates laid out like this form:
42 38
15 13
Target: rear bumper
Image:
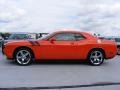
118 49
111 52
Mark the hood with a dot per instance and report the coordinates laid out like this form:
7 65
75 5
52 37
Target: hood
13 40
32 42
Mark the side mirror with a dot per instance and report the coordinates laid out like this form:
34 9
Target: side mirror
52 40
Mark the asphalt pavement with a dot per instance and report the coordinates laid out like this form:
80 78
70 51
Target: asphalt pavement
60 76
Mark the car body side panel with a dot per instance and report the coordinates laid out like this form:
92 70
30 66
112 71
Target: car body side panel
109 47
44 49
8 50
60 50
73 50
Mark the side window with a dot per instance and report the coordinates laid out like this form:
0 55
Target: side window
79 37
65 37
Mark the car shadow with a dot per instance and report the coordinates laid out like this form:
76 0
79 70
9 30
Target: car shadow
55 62
61 62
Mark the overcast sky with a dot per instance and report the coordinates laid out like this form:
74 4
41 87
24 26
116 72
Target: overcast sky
99 16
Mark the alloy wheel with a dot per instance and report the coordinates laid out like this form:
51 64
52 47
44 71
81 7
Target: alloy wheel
118 51
96 57
23 57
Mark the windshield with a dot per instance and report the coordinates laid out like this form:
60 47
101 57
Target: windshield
44 36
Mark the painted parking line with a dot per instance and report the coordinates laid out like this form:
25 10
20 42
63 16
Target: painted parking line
64 87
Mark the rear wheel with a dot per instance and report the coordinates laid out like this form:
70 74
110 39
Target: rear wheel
23 56
96 57
118 51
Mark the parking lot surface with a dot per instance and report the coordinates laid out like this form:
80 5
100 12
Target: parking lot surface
59 75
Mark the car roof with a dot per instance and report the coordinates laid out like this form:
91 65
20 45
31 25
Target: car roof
69 31
85 34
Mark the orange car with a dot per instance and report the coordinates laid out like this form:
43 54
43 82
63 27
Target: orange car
67 45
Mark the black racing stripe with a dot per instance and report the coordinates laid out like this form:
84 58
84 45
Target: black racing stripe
37 43
34 43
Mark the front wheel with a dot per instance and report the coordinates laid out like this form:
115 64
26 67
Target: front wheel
96 57
23 56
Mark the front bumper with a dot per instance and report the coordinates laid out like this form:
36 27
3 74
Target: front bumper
2 51
3 48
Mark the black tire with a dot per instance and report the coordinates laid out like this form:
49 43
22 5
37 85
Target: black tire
23 56
96 57
118 52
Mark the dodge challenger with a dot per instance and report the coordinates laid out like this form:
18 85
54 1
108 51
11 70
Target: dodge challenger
61 45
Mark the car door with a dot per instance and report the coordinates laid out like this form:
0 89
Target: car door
81 46
63 47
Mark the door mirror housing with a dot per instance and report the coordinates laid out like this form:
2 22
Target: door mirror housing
52 40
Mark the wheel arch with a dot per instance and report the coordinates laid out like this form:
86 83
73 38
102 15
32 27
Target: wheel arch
102 50
118 46
21 47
